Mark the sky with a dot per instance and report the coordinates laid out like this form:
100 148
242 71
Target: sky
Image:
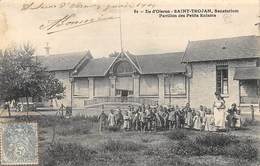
142 33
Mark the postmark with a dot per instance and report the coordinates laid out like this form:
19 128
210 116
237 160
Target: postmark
19 144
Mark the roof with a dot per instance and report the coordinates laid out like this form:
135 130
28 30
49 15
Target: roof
161 63
96 67
62 62
223 49
247 73
147 64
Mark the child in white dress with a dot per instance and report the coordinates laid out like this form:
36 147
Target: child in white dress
209 121
197 121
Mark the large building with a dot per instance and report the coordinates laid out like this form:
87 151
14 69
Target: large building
132 78
230 66
63 66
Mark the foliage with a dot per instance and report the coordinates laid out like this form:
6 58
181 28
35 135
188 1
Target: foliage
171 161
249 122
67 153
120 146
22 75
75 128
214 139
235 151
241 150
114 54
177 134
216 144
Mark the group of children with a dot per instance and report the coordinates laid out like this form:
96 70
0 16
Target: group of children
154 118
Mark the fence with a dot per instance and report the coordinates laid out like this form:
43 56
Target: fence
119 100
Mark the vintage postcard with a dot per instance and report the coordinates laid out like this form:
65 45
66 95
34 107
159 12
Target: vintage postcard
130 82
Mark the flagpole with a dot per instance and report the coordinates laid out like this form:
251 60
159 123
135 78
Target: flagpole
120 26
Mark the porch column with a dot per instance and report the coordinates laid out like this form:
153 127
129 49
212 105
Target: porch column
112 86
91 88
161 88
136 85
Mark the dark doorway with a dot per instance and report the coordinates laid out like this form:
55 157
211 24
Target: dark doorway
124 94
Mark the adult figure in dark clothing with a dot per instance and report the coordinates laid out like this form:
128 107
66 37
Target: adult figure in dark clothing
119 119
102 118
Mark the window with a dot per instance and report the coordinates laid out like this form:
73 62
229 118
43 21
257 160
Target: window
149 85
102 86
125 83
123 67
81 87
248 92
222 79
119 92
175 85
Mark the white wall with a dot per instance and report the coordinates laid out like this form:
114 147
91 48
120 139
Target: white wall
203 82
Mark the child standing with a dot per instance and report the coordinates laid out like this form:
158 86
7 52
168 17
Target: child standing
172 119
126 121
209 121
143 120
102 118
197 121
111 119
188 115
136 120
238 120
119 119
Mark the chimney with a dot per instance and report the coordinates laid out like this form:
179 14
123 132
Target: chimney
47 49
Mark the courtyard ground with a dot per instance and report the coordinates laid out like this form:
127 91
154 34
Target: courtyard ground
77 141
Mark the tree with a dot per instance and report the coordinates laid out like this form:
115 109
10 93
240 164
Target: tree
21 75
114 54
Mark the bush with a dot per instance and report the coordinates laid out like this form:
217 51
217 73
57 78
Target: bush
67 154
147 139
172 161
216 144
249 122
75 128
113 159
177 134
154 151
120 146
189 148
113 129
215 140
242 151
49 121
93 118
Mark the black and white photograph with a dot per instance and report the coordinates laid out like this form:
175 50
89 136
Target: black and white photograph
130 82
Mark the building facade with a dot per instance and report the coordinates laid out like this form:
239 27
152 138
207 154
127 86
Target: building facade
230 66
63 66
157 78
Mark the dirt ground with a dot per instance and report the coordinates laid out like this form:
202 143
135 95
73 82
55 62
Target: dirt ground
153 139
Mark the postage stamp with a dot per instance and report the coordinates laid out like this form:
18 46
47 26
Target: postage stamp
19 144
